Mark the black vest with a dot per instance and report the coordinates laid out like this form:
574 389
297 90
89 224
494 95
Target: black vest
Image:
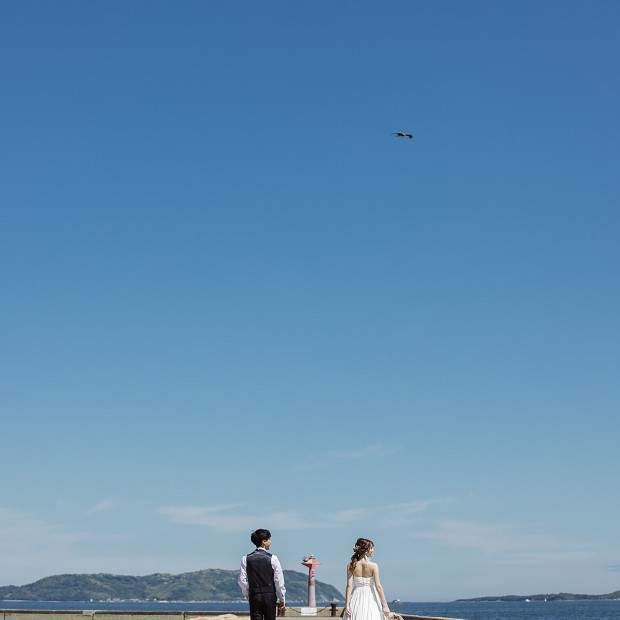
260 572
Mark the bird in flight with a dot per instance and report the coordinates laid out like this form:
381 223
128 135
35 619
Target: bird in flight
402 134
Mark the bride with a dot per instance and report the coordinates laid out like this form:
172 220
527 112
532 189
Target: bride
365 599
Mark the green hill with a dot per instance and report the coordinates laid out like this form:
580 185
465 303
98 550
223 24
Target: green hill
204 585
561 596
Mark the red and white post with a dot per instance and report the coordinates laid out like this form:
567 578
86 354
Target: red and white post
311 562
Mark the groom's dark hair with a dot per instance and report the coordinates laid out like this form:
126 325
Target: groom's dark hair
258 536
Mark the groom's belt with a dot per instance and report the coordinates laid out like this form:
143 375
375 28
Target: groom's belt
262 589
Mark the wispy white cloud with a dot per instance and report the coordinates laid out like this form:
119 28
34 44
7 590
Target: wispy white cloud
406 513
237 517
345 517
28 543
104 505
488 537
218 516
34 546
25 533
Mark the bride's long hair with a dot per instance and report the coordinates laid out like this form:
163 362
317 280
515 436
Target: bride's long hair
361 549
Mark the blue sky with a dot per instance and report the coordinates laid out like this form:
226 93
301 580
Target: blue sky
232 299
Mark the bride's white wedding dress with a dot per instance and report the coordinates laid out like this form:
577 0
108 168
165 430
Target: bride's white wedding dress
365 603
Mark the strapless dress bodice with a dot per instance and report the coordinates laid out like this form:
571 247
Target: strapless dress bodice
361 582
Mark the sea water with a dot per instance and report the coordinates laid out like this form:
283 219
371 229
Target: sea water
497 610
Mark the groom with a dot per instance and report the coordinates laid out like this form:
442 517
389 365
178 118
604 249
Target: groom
261 579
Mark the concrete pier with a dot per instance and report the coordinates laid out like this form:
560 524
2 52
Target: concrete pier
94 614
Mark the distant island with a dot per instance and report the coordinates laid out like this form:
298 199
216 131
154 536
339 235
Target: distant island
204 585
561 596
